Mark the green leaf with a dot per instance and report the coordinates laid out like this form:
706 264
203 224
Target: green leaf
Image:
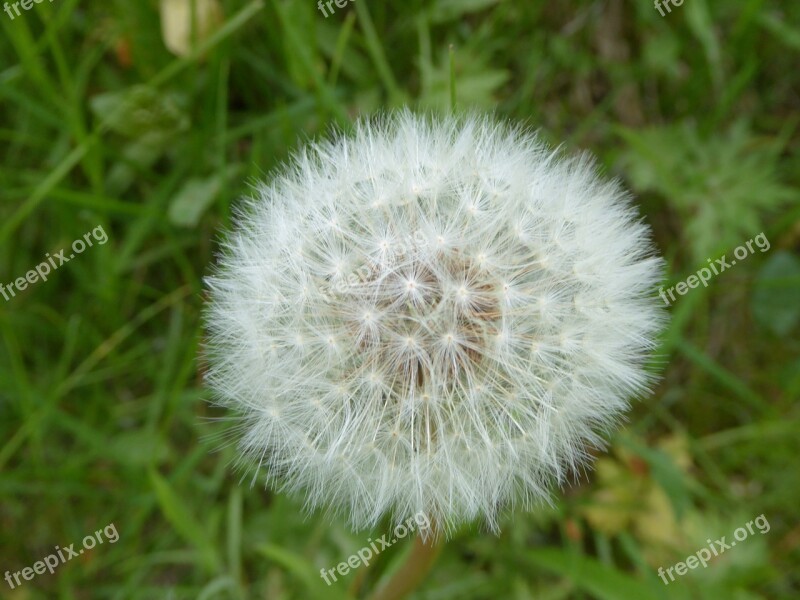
301 569
215 588
700 21
141 109
478 83
138 448
602 581
193 200
721 186
776 294
443 11
176 512
781 30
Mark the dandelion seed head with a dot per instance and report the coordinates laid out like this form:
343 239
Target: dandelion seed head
431 315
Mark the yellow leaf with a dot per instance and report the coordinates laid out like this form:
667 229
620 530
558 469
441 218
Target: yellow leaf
186 23
655 525
615 498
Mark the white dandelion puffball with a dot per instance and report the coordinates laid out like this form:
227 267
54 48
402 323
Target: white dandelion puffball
431 315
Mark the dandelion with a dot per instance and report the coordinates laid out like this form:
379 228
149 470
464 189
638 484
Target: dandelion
496 331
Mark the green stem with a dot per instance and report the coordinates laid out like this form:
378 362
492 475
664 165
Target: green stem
406 579
452 79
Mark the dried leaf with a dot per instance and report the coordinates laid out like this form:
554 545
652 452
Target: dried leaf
186 23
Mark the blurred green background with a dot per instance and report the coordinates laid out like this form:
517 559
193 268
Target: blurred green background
119 114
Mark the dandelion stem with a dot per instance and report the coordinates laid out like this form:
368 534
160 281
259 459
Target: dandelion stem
452 79
413 571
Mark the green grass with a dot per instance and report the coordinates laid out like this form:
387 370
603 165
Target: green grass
103 416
